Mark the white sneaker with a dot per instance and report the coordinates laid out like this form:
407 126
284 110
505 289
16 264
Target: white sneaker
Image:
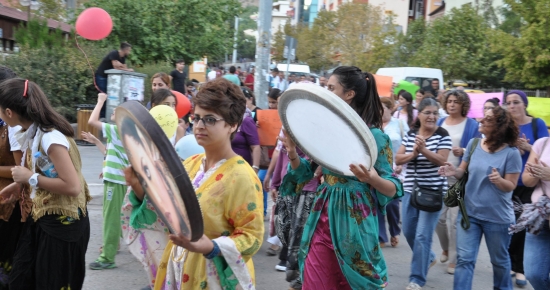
281 266
444 258
413 286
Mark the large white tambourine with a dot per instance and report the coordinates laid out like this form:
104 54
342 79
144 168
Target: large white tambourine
326 128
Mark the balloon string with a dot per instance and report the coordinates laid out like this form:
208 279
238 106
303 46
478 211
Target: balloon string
87 60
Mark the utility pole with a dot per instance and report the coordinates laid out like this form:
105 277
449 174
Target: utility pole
263 50
235 40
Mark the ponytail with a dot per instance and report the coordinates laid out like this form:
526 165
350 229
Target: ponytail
27 99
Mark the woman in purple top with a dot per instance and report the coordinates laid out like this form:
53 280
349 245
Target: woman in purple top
293 211
246 143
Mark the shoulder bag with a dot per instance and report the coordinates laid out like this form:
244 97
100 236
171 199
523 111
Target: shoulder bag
456 193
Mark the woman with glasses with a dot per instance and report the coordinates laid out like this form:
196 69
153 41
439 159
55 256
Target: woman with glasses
493 172
530 130
424 149
461 129
230 196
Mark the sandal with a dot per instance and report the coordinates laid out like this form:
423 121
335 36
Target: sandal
394 241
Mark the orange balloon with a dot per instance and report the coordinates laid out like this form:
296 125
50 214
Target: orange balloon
183 104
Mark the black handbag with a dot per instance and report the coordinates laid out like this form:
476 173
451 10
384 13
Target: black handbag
426 198
457 192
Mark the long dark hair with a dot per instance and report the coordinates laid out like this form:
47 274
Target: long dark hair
160 95
366 101
32 106
409 98
505 130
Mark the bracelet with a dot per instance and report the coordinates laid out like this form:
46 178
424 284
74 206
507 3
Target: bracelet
214 253
292 159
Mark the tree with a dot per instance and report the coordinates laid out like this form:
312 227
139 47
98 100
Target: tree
458 45
357 34
526 57
166 30
408 44
36 34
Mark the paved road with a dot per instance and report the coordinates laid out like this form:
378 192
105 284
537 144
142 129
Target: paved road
129 275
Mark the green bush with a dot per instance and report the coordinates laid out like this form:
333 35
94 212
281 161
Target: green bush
62 73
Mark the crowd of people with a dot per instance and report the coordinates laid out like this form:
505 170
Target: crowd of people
327 229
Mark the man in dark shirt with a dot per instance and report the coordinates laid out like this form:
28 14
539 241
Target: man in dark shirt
434 88
116 59
178 77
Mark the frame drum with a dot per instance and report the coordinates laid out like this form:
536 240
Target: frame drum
159 170
326 128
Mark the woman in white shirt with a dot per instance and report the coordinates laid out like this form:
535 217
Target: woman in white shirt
396 129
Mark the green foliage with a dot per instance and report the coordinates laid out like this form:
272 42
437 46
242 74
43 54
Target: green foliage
526 57
359 33
408 44
458 45
62 73
166 30
36 33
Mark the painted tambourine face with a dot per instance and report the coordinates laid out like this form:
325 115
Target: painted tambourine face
159 170
326 128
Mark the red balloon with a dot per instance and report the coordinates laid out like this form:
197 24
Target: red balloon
94 24
184 105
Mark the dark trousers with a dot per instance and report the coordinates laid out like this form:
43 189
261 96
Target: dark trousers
517 244
393 215
101 83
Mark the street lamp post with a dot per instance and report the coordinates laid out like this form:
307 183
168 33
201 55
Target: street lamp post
30 4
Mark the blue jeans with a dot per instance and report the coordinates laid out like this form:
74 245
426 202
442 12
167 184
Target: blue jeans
536 260
467 248
261 176
418 228
101 83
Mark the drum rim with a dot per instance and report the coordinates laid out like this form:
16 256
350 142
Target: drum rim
337 106
152 130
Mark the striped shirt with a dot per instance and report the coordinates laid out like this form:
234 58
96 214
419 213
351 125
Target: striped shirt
115 159
426 172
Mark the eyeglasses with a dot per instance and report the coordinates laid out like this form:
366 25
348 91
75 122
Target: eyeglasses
207 121
513 103
428 113
488 108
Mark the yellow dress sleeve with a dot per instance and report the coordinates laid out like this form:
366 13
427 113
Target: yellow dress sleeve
244 210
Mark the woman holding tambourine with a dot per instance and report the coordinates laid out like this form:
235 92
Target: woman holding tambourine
230 197
340 248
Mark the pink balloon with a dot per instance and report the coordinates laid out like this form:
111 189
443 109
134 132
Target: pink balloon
94 24
184 105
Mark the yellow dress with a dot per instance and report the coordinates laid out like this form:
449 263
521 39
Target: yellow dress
231 201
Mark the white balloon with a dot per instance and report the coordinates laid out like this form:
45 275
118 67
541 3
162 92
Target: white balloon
188 146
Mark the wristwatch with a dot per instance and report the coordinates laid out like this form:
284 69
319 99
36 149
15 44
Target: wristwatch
33 181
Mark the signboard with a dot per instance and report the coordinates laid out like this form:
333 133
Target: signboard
289 51
135 89
199 66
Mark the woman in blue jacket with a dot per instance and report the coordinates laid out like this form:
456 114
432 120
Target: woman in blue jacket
461 129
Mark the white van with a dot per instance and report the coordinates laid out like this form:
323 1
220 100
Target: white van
299 69
423 75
